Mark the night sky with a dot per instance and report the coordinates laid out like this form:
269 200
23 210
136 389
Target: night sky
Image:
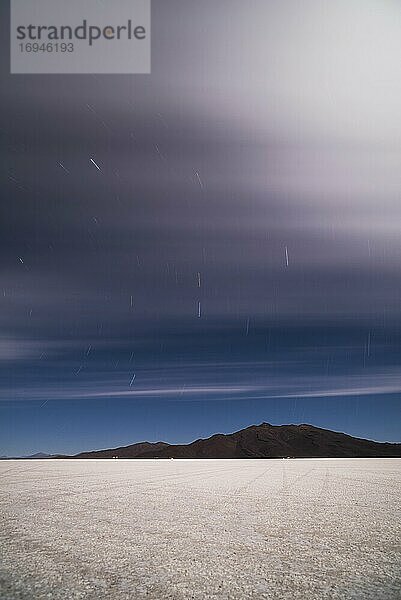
210 246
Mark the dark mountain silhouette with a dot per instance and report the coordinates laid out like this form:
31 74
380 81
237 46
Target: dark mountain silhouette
133 451
260 441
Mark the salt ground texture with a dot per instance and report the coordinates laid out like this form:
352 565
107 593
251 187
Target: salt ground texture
180 529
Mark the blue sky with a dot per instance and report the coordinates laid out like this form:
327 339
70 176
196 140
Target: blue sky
70 427
233 257
198 378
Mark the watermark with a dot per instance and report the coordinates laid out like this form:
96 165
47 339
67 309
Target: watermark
80 36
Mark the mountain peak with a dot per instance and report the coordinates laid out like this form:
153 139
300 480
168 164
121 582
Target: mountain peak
39 455
260 441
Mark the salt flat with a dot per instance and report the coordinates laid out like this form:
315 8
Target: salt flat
126 529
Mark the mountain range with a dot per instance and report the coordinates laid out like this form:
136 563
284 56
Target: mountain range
259 441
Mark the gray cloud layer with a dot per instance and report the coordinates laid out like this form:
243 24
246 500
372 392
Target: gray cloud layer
262 154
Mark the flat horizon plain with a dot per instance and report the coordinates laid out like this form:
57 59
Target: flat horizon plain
201 529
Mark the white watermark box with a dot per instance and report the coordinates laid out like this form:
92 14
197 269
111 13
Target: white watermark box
80 36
